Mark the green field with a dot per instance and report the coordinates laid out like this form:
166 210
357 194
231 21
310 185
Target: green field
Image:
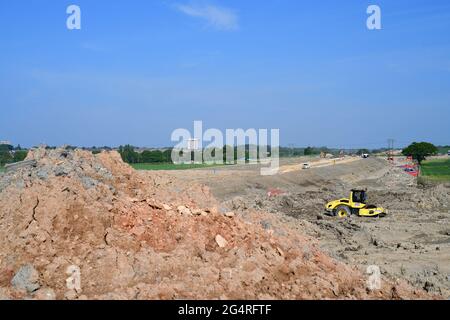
2 168
436 170
170 166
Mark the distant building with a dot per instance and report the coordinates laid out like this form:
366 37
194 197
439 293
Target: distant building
2 142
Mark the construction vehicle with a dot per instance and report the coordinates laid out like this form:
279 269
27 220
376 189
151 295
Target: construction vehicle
356 204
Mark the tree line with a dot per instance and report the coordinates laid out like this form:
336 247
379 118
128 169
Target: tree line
129 155
10 154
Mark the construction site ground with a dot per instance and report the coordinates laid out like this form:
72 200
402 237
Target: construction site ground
412 242
74 225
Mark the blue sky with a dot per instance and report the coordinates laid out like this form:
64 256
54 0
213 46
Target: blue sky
139 69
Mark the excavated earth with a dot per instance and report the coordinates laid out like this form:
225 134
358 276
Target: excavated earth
74 225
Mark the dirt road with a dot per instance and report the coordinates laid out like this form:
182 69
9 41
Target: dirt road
318 163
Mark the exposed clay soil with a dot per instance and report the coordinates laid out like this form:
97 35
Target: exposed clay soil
141 235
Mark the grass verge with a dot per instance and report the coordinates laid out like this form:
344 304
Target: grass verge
436 170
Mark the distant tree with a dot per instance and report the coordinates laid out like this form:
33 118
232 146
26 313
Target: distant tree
19 155
152 156
309 151
5 157
167 156
230 152
128 154
420 150
6 147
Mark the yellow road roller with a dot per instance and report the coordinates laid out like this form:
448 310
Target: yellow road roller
356 204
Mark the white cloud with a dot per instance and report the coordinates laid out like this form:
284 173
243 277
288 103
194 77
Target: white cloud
218 17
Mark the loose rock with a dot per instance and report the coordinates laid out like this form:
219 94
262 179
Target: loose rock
27 278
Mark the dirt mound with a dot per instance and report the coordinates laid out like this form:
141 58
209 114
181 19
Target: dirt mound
80 226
